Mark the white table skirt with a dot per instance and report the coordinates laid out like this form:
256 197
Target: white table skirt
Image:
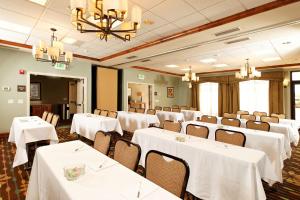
270 143
29 129
173 116
132 121
87 125
113 181
217 171
191 115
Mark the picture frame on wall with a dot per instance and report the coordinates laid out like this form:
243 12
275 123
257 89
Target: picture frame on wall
170 92
35 91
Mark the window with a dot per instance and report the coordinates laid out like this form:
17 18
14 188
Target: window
209 98
254 95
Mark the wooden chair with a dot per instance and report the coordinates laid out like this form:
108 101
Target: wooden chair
140 110
127 154
113 114
230 137
132 109
269 119
54 120
167 109
231 122
49 117
97 111
258 125
230 115
175 106
242 112
171 175
44 116
208 119
102 142
259 114
197 130
158 108
176 110
104 113
280 116
248 117
172 126
184 108
151 111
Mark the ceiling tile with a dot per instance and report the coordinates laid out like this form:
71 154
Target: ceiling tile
254 3
147 4
42 30
167 30
191 21
202 4
57 18
62 6
12 36
157 21
24 7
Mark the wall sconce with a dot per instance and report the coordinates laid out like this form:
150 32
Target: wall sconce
286 83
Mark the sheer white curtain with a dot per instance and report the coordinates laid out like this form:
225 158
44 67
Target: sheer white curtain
254 95
208 97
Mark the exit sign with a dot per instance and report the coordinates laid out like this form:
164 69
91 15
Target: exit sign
60 66
141 76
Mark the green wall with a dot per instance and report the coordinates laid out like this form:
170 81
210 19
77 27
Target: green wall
10 63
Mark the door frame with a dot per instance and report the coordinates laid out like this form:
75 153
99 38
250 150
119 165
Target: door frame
54 75
292 94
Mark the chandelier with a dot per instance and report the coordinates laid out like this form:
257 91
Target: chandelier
190 77
54 53
247 72
106 18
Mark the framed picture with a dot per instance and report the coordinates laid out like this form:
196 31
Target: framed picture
35 91
170 92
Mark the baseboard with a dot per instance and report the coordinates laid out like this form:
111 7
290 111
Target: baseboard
4 135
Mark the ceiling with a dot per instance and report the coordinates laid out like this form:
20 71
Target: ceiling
30 22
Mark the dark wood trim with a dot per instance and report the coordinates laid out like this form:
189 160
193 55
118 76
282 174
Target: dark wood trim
155 70
241 15
86 57
4 135
94 87
292 95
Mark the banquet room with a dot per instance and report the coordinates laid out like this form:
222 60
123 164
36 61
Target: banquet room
149 99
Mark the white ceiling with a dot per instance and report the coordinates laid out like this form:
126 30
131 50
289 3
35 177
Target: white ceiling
169 16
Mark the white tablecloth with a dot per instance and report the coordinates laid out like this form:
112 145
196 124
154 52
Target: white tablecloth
191 115
270 143
112 182
132 121
29 129
87 125
173 116
217 171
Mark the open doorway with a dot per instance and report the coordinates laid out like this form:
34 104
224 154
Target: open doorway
140 95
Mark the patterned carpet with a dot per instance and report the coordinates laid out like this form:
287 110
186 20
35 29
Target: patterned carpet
13 182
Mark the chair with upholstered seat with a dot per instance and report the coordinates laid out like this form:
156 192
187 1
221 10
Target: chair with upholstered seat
44 116
172 126
269 119
132 109
208 119
231 122
127 154
104 113
230 137
158 108
258 125
197 130
97 111
248 117
176 110
184 108
167 171
49 117
54 120
259 114
242 112
112 114
102 142
175 106
167 109
230 115
280 116
140 110
151 111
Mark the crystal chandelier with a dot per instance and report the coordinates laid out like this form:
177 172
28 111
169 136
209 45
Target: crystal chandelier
54 53
106 18
190 77
247 72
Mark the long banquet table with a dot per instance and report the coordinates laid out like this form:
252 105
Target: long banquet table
87 125
217 170
112 181
132 121
191 115
167 115
26 130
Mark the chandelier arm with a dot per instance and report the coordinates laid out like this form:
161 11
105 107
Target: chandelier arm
91 24
99 9
116 35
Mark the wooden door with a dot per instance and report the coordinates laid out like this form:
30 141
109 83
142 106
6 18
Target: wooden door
72 97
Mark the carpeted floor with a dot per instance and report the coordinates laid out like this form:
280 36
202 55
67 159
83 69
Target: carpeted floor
13 182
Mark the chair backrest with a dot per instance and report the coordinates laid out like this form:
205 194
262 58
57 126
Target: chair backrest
167 171
158 108
54 120
259 114
44 116
258 125
184 107
140 110
176 110
102 142
197 130
242 112
172 126
175 106
151 111
280 116
97 111
230 137
230 115
49 117
166 109
127 154
113 114
269 119
131 109
209 119
231 122
104 113
248 117
191 108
